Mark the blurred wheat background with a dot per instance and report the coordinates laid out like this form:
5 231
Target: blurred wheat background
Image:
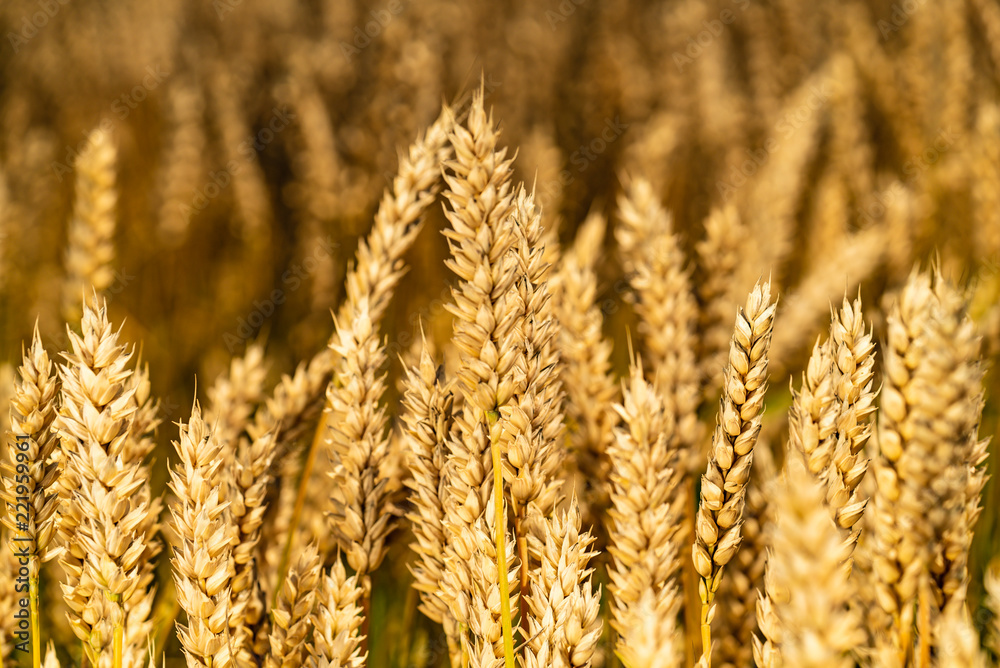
208 168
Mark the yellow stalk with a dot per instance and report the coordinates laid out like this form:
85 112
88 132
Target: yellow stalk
501 526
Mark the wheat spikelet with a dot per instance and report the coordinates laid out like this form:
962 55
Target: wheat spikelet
105 500
723 487
805 617
203 558
33 409
564 623
928 451
427 413
293 612
91 230
646 471
336 621
234 396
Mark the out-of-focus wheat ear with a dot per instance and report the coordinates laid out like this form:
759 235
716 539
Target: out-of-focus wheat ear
722 262
103 496
956 640
586 370
90 249
805 615
336 621
248 502
293 614
565 624
235 396
427 413
666 307
985 169
182 162
929 454
991 600
723 487
852 153
651 638
646 506
203 556
806 309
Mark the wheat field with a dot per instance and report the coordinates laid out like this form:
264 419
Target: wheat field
465 334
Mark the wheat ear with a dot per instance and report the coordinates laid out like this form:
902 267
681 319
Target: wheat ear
644 539
104 500
203 556
805 617
293 612
234 396
91 230
336 622
720 513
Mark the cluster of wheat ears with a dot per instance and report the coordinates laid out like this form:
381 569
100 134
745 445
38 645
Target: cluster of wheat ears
524 471
694 365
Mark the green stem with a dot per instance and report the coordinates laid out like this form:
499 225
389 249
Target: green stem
501 531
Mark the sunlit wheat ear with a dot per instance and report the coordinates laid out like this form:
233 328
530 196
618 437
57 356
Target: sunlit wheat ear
645 510
717 529
928 465
104 499
91 250
359 444
564 625
203 557
293 613
33 409
804 615
428 403
336 621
